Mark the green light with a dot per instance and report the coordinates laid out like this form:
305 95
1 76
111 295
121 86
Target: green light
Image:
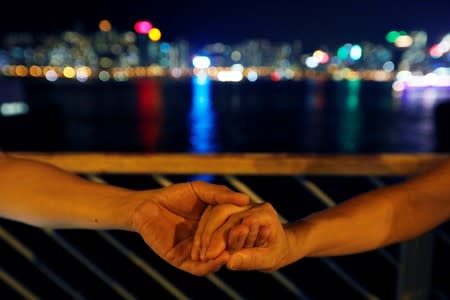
392 36
342 53
356 52
353 93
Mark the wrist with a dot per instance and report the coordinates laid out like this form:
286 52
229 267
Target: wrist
298 236
118 210
142 206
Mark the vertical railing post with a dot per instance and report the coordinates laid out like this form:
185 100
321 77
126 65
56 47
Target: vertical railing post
414 274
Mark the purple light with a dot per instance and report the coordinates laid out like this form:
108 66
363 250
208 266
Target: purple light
143 27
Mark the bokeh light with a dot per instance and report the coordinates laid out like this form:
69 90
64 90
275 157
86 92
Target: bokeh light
154 34
391 36
201 62
143 27
403 41
355 52
104 25
69 72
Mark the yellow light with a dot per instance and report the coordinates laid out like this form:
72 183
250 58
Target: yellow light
69 72
46 69
21 71
403 41
154 34
104 25
140 72
319 55
35 71
83 73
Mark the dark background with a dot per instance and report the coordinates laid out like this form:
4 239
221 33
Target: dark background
315 23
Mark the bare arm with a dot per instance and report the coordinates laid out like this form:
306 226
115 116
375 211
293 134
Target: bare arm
368 221
45 196
42 195
377 218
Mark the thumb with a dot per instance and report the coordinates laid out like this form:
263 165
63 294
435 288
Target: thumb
218 194
249 259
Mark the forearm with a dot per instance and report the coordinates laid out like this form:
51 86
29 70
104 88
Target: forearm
359 224
377 218
42 195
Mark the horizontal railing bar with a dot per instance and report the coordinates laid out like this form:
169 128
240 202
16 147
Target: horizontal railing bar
240 164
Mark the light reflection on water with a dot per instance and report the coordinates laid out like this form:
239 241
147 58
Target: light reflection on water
350 122
202 121
201 116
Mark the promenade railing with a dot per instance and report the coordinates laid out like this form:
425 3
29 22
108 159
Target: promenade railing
311 182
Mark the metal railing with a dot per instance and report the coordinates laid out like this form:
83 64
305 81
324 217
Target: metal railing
233 170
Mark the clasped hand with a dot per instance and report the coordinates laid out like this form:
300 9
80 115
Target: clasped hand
199 227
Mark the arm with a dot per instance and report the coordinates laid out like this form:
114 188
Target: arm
366 222
377 218
41 195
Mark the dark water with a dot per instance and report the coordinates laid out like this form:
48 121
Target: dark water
195 116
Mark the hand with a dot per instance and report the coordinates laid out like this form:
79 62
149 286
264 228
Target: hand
246 233
276 250
167 219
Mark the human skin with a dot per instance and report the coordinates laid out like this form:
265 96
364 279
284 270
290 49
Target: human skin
365 222
43 195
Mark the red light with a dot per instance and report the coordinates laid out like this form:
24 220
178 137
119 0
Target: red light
436 51
275 76
143 27
325 58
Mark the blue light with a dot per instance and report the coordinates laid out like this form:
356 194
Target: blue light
202 121
202 117
164 47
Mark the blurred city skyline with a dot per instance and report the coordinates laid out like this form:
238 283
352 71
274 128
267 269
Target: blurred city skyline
315 23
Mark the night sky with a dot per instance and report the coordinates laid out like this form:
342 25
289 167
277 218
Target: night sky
315 23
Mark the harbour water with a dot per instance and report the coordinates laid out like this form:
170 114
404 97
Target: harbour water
203 116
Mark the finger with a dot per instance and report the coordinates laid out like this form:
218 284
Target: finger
197 244
237 237
250 259
204 268
264 236
218 194
180 258
253 225
219 238
219 243
217 216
